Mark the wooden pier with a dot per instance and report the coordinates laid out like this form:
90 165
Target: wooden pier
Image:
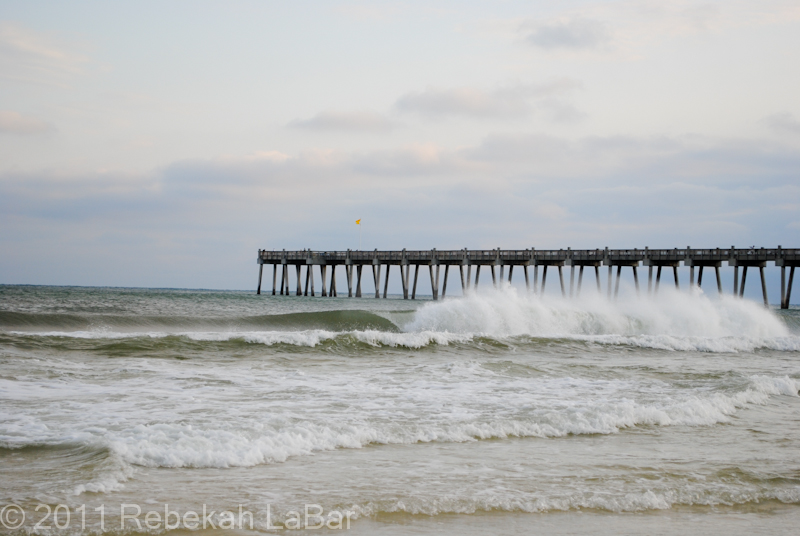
497 260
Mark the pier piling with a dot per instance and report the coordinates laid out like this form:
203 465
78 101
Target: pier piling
386 283
544 277
527 281
744 278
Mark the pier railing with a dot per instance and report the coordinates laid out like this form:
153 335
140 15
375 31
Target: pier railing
465 259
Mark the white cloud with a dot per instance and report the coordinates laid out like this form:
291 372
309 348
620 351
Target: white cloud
30 56
16 123
783 123
627 27
354 121
506 102
568 33
506 191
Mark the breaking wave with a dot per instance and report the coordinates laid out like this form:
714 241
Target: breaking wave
238 444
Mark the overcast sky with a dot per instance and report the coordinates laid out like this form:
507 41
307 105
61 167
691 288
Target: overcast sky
163 143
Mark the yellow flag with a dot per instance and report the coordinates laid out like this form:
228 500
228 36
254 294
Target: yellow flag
358 222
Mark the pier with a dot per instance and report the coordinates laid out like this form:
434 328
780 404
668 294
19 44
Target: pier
497 260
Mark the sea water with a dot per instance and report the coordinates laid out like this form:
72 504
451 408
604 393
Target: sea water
496 413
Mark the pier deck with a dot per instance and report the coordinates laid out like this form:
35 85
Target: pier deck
498 259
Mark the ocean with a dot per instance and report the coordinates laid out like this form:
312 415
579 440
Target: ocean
144 411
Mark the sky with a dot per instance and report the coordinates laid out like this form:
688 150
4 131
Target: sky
161 144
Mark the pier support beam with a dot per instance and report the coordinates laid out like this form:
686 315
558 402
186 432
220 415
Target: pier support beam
359 268
561 280
636 279
597 277
535 278
571 279
544 278
580 281
444 283
324 271
404 279
308 278
527 281
414 288
274 277
494 279
348 271
376 276
510 272
658 280
783 286
736 281
434 282
744 278
650 280
616 285
284 277
610 268
700 277
763 286
675 275
299 281
463 283
719 280
386 283
477 276
333 282
788 293
260 272
311 271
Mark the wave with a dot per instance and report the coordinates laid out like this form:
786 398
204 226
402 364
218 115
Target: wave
506 312
337 320
122 343
102 470
673 321
232 444
618 501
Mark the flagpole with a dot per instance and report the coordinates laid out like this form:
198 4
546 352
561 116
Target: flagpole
359 237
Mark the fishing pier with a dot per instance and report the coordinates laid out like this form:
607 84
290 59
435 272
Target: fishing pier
498 260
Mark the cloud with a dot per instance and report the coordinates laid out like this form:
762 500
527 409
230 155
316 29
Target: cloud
783 123
15 123
354 121
511 101
570 33
509 190
371 12
29 56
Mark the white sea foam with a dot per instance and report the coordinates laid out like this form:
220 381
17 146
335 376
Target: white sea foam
308 338
554 411
670 321
505 500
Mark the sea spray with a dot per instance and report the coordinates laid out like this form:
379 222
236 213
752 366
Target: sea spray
509 312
